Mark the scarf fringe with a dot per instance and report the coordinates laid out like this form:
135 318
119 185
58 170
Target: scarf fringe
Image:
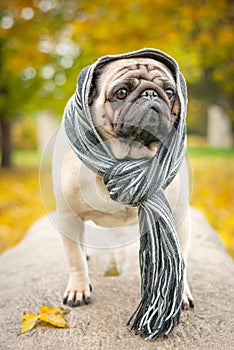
162 270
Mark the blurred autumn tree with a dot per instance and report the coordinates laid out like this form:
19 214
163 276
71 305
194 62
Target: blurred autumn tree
45 43
33 45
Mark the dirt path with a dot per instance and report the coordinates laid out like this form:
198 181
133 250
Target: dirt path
35 272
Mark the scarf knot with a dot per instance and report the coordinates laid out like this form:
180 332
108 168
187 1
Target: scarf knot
127 183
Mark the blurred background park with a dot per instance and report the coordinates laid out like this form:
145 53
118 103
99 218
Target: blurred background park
44 44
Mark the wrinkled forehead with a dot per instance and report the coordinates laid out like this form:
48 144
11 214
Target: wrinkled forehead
137 67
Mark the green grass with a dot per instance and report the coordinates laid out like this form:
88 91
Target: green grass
25 158
205 151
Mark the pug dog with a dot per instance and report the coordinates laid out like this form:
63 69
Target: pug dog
134 105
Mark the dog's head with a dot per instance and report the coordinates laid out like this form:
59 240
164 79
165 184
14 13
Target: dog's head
134 105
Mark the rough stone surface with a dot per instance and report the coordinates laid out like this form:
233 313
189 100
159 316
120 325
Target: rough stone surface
35 272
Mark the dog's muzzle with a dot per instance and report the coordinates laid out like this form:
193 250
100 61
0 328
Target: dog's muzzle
147 120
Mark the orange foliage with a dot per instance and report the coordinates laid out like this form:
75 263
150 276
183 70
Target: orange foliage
213 189
20 204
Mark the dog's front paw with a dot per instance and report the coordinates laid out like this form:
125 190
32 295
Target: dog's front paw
187 301
78 290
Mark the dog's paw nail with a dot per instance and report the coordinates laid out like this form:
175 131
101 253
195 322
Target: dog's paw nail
191 303
87 300
70 303
185 306
90 288
77 303
64 300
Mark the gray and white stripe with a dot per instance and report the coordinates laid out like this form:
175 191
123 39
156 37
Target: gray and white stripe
140 183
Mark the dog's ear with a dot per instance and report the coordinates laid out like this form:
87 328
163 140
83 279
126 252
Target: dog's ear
94 84
176 108
175 111
94 88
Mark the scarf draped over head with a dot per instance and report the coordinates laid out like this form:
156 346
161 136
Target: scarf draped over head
141 183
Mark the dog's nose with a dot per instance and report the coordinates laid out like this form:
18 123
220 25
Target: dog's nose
149 94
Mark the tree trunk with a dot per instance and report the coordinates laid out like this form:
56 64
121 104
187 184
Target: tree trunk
6 148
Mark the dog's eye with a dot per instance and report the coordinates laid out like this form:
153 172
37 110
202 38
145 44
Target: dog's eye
121 94
170 93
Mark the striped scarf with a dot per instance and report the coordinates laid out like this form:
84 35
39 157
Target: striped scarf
141 183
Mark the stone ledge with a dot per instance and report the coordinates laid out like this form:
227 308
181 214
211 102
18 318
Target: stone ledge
35 272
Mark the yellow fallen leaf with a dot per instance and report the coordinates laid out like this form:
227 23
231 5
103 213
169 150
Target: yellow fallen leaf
53 310
28 323
62 310
53 315
56 320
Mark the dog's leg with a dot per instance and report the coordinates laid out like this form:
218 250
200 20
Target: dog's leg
78 288
184 231
65 170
